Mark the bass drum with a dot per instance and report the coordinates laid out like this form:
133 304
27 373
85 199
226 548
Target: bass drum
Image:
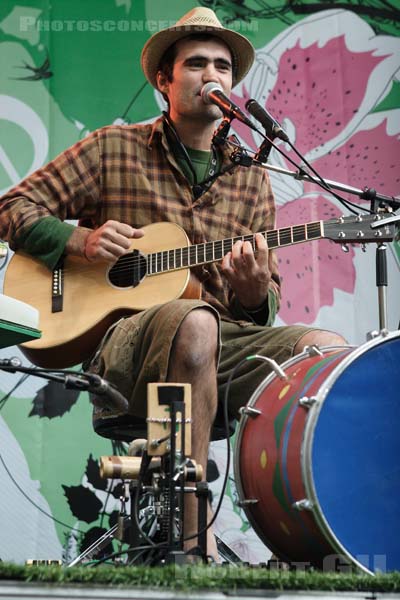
317 458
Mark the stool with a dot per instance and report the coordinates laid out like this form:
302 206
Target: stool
126 428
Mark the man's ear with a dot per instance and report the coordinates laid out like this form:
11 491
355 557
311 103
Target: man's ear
162 82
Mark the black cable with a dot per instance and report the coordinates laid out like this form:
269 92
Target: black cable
20 381
154 556
136 510
34 503
2 403
326 186
103 514
141 553
142 472
320 182
140 90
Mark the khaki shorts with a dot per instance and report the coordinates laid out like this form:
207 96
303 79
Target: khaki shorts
136 351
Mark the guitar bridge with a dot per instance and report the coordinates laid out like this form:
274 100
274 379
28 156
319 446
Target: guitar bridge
57 287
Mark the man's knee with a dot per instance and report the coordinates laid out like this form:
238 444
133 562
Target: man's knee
196 342
319 337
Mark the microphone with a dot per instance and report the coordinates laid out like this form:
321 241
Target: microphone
101 387
212 93
272 127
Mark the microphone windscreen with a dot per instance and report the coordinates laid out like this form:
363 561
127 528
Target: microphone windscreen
207 89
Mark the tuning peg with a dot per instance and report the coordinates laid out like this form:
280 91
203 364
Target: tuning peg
345 248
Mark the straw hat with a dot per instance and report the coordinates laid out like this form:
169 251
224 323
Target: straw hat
198 20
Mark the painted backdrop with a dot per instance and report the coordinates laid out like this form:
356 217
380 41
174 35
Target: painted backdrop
330 77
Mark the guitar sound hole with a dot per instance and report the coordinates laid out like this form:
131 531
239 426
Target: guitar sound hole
128 271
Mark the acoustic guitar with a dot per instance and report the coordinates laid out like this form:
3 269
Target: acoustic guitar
78 300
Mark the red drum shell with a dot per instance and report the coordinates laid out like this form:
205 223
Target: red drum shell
291 534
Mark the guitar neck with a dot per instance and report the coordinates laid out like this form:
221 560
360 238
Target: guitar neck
208 252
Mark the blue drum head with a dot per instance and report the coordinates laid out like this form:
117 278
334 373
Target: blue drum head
355 456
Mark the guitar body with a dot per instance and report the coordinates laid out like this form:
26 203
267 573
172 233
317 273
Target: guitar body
90 303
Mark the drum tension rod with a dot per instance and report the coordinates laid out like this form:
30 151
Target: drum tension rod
307 401
313 350
272 363
249 411
303 504
247 501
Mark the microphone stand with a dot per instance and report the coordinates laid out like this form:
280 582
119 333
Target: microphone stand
221 133
77 381
379 204
364 194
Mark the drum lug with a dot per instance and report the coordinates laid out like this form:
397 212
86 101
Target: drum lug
313 350
303 504
308 401
249 411
372 335
247 502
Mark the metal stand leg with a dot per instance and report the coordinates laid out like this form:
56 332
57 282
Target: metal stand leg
98 545
176 479
202 504
381 283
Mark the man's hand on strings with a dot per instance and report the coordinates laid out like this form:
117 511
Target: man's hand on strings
248 273
110 241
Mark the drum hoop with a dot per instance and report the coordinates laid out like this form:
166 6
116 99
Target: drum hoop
308 440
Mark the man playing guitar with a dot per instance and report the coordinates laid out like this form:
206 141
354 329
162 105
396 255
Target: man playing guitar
120 179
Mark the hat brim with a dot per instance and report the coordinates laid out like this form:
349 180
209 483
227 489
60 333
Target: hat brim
155 47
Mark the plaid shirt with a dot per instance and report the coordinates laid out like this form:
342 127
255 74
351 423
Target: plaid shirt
129 174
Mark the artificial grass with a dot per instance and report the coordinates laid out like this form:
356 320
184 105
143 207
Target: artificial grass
201 577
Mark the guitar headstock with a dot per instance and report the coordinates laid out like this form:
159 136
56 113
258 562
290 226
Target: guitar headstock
357 229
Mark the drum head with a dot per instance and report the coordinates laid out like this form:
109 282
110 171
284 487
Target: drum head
352 455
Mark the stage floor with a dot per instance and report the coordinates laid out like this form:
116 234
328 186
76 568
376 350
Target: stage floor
10 590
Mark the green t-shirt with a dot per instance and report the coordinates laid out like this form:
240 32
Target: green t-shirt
200 160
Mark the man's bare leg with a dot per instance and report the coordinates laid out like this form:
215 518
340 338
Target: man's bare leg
319 338
193 361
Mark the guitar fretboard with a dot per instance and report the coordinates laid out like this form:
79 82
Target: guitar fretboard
198 254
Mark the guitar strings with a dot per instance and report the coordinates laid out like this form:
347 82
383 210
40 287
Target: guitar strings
160 259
